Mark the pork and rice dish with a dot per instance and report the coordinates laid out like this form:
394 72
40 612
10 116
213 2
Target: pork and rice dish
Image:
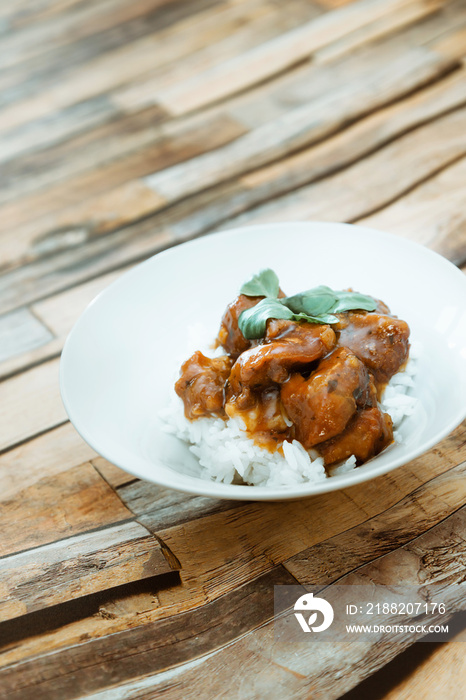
294 390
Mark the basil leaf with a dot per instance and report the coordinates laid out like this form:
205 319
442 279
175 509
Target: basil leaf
264 284
348 301
312 302
321 318
317 305
252 322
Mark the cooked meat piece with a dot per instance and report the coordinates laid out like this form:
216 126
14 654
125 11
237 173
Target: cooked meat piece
287 345
229 336
367 434
380 341
201 384
322 405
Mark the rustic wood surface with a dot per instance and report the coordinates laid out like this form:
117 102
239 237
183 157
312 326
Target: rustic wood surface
127 127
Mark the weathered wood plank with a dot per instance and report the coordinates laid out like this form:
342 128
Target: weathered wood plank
273 57
273 665
332 198
21 332
453 45
131 147
29 404
62 505
303 125
66 268
18 286
159 508
157 646
404 16
254 537
231 551
57 127
432 214
73 24
135 200
59 314
314 163
45 457
30 358
431 502
24 83
124 61
212 42
307 82
78 566
415 157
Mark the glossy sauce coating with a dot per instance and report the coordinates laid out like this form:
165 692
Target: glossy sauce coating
322 405
312 382
287 345
201 384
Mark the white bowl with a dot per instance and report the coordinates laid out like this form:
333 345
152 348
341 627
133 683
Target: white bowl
119 360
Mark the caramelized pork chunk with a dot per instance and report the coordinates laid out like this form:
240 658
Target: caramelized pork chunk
287 346
367 434
229 336
379 340
322 405
201 384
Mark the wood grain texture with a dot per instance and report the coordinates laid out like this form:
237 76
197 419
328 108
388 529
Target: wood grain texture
72 501
39 390
220 552
162 644
415 157
431 502
272 57
431 214
158 508
43 457
132 146
304 125
254 536
127 128
105 209
78 566
23 284
21 332
276 668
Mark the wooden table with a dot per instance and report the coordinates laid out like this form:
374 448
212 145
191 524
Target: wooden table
127 126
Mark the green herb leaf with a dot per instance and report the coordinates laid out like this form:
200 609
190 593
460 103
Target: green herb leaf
353 300
252 322
264 284
321 318
313 302
317 305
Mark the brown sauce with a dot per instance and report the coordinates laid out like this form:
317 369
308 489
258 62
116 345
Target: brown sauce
316 383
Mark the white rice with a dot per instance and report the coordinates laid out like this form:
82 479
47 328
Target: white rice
226 453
